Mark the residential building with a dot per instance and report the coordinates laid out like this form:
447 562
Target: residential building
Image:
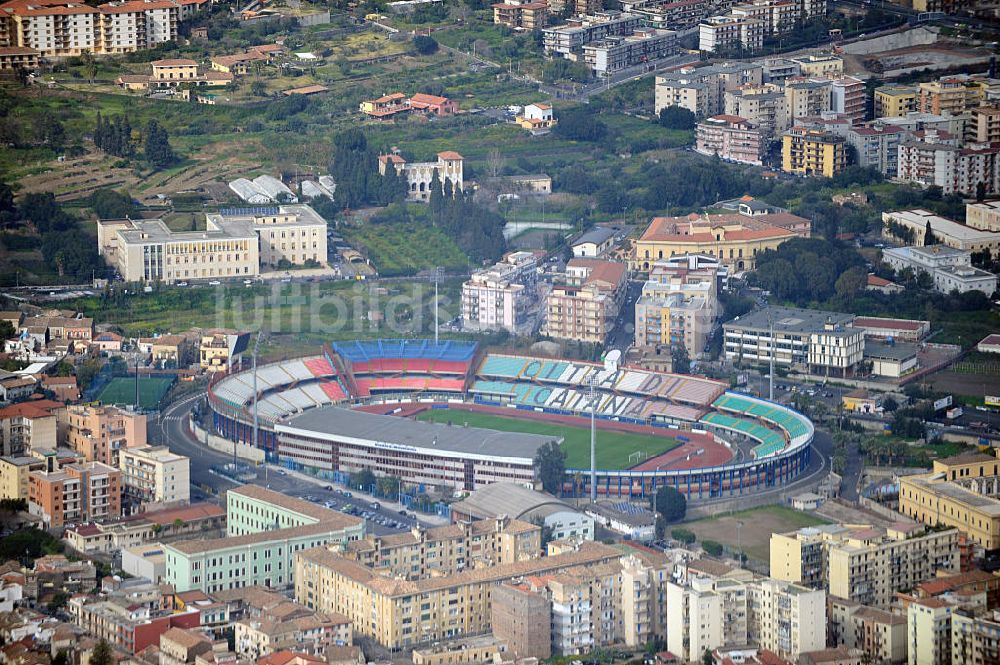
879 634
536 116
218 350
974 639
847 97
678 306
291 626
63 388
731 33
179 646
677 15
100 433
951 95
861 563
568 39
765 106
810 152
522 617
584 304
74 493
950 268
946 231
576 7
820 65
154 475
173 72
236 243
876 146
165 350
731 138
420 175
433 104
13 58
928 632
238 64
385 106
447 550
254 552
126 625
882 285
702 90
595 243
895 101
916 121
983 215
953 169
142 528
27 427
785 618
500 298
616 53
733 239
409 613
823 343
809 98
493 501
14 472
521 14
984 127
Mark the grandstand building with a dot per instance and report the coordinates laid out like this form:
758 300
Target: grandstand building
305 422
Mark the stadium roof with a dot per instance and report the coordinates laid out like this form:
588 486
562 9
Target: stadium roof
512 500
403 433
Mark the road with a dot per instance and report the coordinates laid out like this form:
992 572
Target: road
623 335
172 430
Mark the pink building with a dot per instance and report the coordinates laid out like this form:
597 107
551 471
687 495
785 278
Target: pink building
730 137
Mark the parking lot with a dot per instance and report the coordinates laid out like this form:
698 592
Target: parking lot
379 520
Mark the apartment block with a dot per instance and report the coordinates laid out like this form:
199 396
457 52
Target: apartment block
765 106
895 101
500 297
975 640
879 634
946 231
950 268
27 427
678 306
847 98
863 564
823 343
75 493
984 127
808 98
264 530
984 215
678 15
521 14
785 618
126 625
727 33
877 146
810 152
819 65
522 617
584 304
952 95
291 626
615 53
447 550
218 350
13 58
401 614
101 433
568 40
702 90
730 138
154 475
928 632
953 169
14 472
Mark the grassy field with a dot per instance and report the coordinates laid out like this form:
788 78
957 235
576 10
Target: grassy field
758 524
423 247
121 390
613 448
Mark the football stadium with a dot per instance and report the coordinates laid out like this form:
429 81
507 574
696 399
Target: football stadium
450 414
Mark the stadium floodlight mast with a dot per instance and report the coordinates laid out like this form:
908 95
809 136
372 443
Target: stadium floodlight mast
256 421
592 381
436 276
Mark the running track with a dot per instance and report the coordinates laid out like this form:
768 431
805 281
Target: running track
713 454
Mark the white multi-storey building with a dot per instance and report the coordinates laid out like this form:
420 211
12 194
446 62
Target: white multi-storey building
950 268
616 53
720 33
498 298
153 474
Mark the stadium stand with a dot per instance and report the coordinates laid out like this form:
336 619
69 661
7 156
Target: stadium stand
319 366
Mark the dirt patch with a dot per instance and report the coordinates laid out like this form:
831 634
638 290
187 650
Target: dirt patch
754 536
975 385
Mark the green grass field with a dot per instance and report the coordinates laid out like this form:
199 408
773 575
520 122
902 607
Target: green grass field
613 448
121 390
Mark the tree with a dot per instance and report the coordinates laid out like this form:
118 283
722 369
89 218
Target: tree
707 658
681 362
109 204
676 117
550 464
363 479
580 124
494 162
683 535
258 88
7 330
929 238
157 148
101 654
889 404
8 209
712 547
851 282
980 190
670 504
425 45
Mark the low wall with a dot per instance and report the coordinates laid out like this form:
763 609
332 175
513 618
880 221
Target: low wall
219 444
891 42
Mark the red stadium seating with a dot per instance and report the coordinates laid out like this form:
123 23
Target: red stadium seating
333 390
366 386
319 367
409 366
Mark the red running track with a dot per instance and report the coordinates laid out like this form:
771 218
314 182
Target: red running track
713 454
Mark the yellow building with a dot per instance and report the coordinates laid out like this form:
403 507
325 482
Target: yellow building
735 240
895 101
446 550
928 632
173 71
820 65
399 613
216 350
14 472
860 401
812 152
950 95
860 562
958 493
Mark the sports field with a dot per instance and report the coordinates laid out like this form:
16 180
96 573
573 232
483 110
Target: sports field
121 390
615 450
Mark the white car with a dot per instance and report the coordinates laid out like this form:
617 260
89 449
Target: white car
214 282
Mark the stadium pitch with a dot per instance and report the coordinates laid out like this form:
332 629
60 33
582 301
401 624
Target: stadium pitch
121 391
615 449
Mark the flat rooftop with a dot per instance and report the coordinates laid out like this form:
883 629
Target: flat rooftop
942 225
788 319
392 431
890 351
958 493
